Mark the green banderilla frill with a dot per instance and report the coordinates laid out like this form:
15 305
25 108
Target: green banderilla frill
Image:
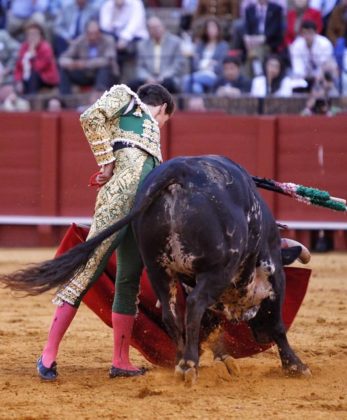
304 194
313 193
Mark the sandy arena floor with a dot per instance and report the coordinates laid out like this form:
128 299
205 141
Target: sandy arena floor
84 391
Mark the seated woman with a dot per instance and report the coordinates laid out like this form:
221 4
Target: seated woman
208 58
36 67
274 82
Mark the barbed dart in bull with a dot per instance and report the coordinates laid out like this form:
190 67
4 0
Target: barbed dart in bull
307 195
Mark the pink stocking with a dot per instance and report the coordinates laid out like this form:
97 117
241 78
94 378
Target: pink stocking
62 319
122 329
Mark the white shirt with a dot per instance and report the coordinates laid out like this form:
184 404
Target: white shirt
324 6
258 88
308 61
127 22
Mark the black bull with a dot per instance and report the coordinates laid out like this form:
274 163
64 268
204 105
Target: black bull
200 221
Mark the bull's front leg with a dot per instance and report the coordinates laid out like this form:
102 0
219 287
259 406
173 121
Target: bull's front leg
209 287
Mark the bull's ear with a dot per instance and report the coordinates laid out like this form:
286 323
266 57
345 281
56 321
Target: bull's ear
289 255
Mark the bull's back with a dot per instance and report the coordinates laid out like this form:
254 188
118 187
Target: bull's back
198 220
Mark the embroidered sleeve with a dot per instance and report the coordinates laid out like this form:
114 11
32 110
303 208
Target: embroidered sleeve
97 119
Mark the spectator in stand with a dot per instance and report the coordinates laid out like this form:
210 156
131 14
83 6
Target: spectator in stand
326 82
320 106
159 58
90 60
207 61
195 104
309 52
264 31
341 58
125 20
54 104
224 11
245 3
298 14
325 7
337 25
238 25
10 101
70 23
232 83
4 5
23 11
36 66
274 82
188 11
9 48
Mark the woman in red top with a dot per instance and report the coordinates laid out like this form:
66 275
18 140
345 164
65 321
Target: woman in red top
299 13
36 66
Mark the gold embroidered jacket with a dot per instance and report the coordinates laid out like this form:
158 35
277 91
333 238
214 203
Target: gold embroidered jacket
120 116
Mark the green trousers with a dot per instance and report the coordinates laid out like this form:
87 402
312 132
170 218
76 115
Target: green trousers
129 264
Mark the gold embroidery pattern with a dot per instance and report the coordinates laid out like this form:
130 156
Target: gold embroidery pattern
114 201
96 121
100 124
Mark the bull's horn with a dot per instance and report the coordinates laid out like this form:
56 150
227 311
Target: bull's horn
305 255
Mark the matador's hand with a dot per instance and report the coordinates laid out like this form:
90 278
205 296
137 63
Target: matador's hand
100 178
105 173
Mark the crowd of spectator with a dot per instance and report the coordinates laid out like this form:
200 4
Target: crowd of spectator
227 48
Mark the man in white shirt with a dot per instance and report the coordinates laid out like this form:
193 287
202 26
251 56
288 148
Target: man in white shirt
159 58
309 52
125 20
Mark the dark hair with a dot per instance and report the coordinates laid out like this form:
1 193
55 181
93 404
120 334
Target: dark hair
234 60
155 94
275 83
33 24
328 76
320 104
204 36
309 24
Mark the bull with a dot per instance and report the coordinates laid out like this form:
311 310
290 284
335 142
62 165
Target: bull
199 221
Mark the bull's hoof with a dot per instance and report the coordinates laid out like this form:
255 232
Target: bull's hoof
297 370
179 373
190 376
232 366
186 371
221 370
226 366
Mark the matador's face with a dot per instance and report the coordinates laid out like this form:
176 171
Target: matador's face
161 116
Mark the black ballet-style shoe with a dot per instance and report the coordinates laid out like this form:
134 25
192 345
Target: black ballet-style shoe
124 373
48 374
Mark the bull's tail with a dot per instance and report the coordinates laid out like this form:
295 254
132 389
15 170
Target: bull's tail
39 278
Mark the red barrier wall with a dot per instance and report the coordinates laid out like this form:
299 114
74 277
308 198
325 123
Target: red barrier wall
311 151
20 163
45 162
76 165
